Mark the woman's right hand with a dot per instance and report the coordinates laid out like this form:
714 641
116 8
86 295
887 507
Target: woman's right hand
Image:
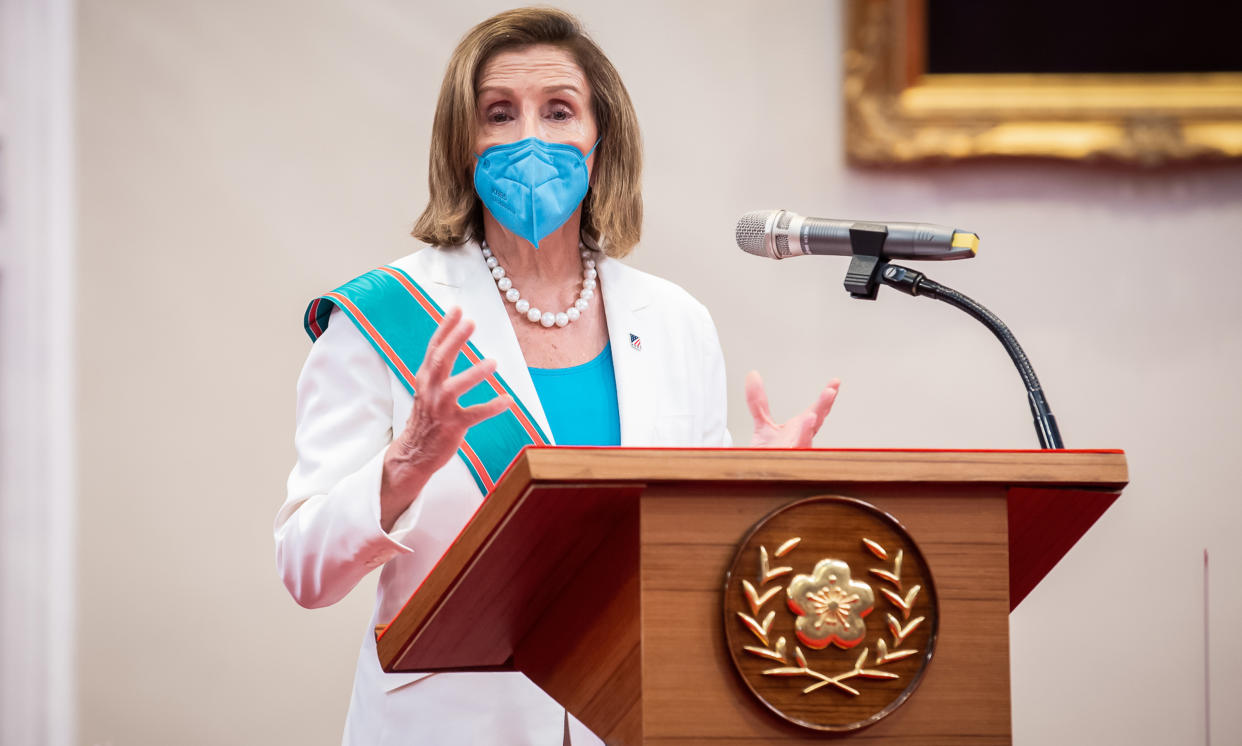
437 423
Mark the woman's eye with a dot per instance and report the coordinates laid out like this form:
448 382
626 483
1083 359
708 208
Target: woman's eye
560 115
497 115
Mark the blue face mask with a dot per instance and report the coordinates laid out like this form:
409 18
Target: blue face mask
532 186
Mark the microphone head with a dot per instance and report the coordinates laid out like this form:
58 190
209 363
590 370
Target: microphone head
752 232
767 233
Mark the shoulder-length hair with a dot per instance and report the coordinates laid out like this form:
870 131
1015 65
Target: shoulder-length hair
612 212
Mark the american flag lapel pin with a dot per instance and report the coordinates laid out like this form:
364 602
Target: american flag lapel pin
636 342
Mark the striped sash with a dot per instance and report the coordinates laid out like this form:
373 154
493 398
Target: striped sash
398 318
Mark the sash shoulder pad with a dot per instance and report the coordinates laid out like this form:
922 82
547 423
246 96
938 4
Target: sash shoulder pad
371 293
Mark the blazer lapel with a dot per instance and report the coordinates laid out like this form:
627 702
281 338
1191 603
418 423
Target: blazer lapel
459 276
625 301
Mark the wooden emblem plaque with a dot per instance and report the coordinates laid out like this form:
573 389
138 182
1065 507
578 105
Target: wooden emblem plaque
830 613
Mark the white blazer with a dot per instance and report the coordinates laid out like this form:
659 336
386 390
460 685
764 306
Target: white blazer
670 391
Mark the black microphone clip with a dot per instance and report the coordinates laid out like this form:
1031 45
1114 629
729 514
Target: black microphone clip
862 279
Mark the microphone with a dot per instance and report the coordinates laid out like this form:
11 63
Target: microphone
780 233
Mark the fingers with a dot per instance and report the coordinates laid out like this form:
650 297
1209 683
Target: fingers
442 353
468 378
798 431
478 412
806 428
823 405
450 320
757 400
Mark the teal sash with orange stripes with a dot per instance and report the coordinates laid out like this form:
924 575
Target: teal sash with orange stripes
398 318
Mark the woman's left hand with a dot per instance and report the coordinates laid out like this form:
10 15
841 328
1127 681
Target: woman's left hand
799 430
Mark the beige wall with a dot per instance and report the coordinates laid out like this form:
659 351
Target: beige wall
239 157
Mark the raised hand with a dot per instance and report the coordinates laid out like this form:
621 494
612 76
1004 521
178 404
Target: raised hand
799 430
437 423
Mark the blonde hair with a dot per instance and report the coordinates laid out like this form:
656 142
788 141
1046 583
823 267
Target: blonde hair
612 212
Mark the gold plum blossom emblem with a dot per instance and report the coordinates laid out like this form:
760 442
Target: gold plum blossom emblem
830 613
830 606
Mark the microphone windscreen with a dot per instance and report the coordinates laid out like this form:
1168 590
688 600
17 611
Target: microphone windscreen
752 232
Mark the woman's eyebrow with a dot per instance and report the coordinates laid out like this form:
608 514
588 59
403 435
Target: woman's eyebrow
507 91
502 90
562 87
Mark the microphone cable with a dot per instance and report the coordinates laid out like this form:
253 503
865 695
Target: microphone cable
912 282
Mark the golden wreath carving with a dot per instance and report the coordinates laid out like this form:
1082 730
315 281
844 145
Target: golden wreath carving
834 627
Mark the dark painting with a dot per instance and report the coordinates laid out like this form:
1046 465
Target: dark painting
1079 36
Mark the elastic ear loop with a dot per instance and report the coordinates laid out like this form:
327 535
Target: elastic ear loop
586 239
590 175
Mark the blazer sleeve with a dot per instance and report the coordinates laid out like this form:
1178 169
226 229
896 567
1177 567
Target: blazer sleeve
328 534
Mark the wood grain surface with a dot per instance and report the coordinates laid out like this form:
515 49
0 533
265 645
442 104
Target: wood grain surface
691 694
586 648
1095 469
600 573
489 589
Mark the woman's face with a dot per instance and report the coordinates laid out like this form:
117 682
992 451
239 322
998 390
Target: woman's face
537 92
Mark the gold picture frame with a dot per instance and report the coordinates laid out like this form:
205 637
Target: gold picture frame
895 113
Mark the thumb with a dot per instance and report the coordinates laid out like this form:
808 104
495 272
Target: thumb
757 400
806 430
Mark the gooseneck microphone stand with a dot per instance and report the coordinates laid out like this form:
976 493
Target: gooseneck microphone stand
869 267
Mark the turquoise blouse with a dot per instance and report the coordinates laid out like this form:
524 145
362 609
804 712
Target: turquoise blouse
580 401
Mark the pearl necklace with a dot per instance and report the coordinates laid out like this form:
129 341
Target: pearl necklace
534 315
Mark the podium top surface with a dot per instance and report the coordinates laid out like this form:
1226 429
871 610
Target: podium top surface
1102 469
1053 498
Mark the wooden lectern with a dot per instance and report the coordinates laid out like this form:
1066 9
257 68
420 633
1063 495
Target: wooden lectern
599 573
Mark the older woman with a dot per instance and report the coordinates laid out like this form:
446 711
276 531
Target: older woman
407 412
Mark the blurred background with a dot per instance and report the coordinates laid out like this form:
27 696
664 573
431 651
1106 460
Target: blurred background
201 169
